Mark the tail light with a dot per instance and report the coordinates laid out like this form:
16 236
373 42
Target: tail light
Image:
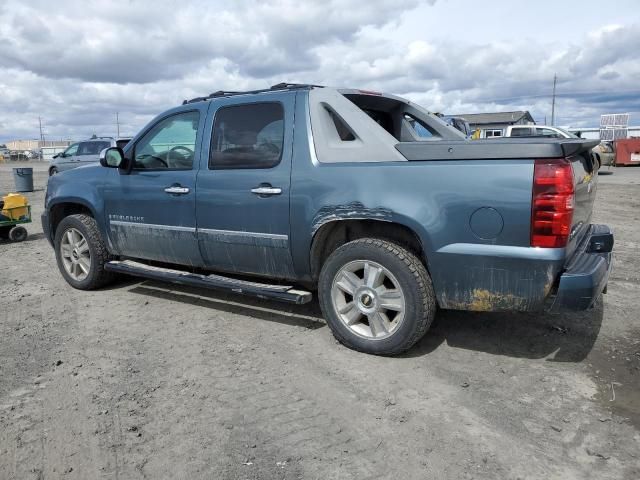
552 203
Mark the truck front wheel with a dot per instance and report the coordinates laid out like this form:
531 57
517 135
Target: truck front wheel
376 296
81 253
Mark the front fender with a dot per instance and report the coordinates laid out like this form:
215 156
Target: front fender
79 187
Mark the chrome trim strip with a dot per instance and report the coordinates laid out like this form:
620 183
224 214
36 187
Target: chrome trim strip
210 231
272 236
504 251
151 225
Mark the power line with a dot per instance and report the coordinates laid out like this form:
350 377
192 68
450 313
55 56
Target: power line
564 94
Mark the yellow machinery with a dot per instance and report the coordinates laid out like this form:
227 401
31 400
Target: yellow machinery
14 210
14 206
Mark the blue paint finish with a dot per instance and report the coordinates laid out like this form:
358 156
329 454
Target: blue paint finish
486 223
471 216
81 186
350 211
138 198
225 203
434 199
587 274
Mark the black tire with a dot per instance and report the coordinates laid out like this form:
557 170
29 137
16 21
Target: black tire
4 232
53 171
411 274
87 226
18 234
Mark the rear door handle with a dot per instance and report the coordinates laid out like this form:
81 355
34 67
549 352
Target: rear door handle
266 190
177 190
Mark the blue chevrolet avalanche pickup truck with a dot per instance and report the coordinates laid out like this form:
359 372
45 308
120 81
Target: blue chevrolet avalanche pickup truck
382 208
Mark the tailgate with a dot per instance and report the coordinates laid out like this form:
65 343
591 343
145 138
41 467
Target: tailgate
585 181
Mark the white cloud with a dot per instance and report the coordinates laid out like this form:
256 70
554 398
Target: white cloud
76 63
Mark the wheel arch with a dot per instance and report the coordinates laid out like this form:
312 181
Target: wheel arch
58 211
331 235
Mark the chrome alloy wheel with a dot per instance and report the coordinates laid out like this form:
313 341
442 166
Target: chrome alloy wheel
368 299
75 254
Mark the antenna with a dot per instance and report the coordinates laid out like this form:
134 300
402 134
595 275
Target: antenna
553 101
117 125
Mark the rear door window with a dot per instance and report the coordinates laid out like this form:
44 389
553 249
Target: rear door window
247 136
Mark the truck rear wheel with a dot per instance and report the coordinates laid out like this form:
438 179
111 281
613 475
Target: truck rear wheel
80 252
376 296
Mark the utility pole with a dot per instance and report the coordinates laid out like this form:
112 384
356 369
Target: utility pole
41 132
553 101
118 125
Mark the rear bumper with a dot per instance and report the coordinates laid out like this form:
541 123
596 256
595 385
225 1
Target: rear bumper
587 274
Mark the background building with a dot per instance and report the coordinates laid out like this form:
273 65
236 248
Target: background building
495 124
22 145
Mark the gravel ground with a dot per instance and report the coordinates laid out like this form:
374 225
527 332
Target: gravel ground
145 380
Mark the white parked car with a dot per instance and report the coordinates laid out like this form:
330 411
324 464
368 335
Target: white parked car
603 153
544 131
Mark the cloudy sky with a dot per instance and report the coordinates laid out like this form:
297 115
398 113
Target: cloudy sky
75 63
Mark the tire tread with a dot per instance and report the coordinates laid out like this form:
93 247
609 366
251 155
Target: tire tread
423 284
100 277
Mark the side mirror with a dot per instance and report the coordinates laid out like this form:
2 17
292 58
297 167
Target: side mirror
112 157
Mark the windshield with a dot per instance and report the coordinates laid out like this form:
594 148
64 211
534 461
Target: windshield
569 134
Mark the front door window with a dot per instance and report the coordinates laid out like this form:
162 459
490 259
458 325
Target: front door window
170 144
72 150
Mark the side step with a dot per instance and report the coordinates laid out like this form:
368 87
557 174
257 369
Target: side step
215 282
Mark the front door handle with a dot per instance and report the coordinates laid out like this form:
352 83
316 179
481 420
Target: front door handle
177 190
266 190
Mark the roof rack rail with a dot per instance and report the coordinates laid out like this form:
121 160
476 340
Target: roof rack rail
229 93
293 86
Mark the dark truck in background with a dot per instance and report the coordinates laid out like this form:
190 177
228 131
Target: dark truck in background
382 208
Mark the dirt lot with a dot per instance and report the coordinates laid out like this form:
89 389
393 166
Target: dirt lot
144 380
